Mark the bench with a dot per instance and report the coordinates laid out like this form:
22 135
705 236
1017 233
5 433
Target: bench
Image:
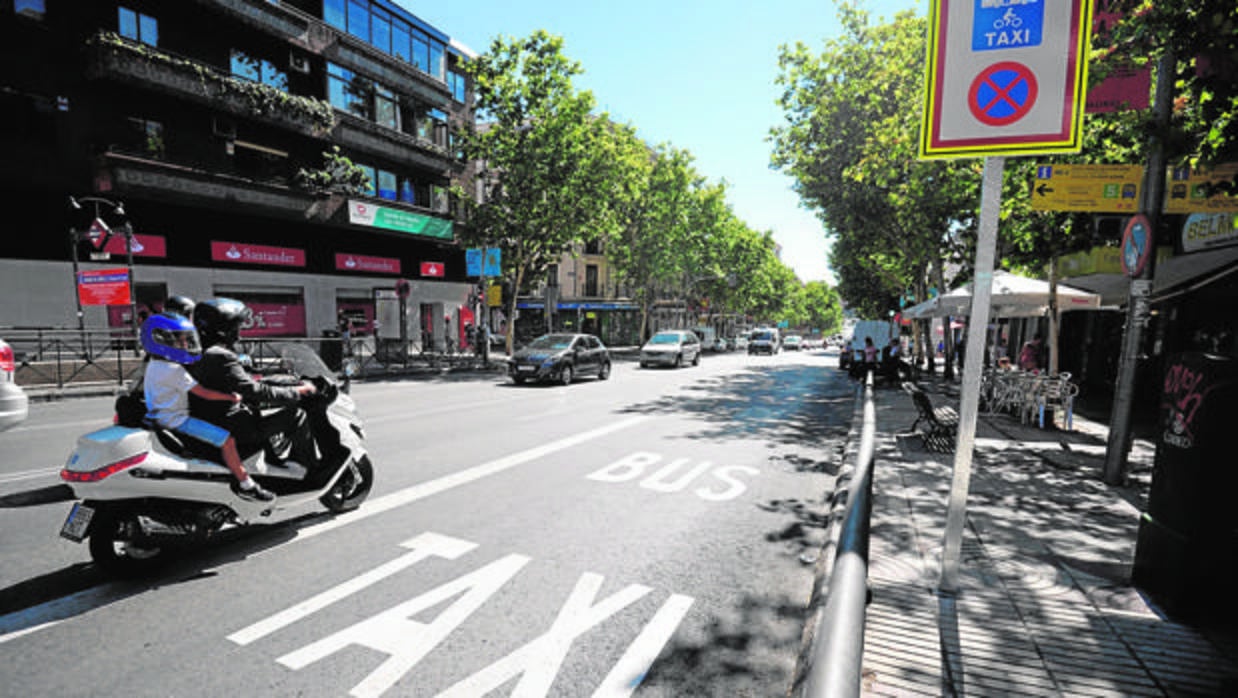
941 423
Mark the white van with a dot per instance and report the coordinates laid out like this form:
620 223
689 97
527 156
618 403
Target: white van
853 349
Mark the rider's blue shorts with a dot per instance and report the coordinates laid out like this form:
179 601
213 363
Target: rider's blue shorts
204 431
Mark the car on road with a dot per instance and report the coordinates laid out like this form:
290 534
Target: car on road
560 357
793 342
14 404
764 340
671 348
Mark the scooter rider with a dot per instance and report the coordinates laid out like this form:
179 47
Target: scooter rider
219 322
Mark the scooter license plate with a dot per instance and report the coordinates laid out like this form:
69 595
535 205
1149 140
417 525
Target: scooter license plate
77 523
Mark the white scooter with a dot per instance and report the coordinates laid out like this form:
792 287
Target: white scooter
145 494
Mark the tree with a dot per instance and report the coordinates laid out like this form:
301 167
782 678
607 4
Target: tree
1203 37
822 306
547 174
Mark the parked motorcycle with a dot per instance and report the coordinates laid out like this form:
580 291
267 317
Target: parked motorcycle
145 493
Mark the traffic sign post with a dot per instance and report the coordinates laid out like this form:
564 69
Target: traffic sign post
1005 77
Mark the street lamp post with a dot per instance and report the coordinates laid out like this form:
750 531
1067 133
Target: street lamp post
75 236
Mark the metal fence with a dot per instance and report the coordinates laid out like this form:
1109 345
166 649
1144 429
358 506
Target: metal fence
59 358
835 656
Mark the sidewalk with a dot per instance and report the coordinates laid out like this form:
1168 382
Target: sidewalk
1045 607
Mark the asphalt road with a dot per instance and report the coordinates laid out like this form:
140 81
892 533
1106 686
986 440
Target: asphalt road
650 534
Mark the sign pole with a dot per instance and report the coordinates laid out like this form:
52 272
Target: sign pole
1138 306
973 362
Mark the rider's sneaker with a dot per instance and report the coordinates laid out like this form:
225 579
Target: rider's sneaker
257 493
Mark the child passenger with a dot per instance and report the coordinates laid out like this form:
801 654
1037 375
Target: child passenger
172 343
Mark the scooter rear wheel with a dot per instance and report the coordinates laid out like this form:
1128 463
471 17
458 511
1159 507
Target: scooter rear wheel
111 547
351 488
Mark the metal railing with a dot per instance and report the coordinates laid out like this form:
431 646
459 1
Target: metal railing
60 356
49 357
837 648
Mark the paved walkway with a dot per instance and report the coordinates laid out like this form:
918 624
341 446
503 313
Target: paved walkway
1045 606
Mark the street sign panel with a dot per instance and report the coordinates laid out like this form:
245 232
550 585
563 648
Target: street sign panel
1188 190
493 264
1005 77
472 261
1097 188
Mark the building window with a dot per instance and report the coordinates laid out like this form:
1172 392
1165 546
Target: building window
34 9
552 275
386 110
371 179
456 83
386 185
593 247
438 198
421 51
438 63
347 91
145 138
400 38
407 192
258 70
139 27
335 13
380 31
359 19
591 280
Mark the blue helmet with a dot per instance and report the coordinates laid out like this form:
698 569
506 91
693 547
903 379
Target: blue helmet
172 337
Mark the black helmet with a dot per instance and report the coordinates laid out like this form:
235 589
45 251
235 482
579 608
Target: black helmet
219 320
181 305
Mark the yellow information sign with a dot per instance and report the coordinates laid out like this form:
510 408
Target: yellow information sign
1187 190
1098 188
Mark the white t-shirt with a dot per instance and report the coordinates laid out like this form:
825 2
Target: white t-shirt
167 387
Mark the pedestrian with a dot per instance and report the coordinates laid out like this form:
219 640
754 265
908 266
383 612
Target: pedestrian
1029 355
999 351
344 323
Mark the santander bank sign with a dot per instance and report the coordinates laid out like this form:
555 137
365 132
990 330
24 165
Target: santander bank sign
244 253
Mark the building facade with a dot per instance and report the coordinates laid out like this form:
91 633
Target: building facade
198 146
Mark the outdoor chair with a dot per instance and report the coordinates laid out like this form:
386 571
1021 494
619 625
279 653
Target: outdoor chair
941 423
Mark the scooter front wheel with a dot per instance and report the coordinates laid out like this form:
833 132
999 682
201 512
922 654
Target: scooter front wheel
352 487
112 547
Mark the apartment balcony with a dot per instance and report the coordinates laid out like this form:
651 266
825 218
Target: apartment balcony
367 136
132 176
319 38
112 57
285 22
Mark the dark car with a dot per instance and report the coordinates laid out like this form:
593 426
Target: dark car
560 358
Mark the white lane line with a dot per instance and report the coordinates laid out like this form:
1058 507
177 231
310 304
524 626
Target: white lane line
28 474
463 477
53 612
630 670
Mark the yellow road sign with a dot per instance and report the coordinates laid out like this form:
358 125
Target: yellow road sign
1098 188
1187 193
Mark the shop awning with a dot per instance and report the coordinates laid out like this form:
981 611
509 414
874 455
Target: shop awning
1173 276
1012 296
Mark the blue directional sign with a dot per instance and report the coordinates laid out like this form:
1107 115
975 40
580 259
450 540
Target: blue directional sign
494 261
1001 24
472 261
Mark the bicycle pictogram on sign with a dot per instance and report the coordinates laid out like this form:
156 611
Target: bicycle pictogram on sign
1003 93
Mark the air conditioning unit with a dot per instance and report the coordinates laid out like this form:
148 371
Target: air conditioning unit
298 62
223 127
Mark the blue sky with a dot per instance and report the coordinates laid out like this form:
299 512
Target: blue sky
699 75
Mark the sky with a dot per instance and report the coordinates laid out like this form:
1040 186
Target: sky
696 74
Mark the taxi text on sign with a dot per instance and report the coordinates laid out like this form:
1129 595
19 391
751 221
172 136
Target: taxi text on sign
1005 77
